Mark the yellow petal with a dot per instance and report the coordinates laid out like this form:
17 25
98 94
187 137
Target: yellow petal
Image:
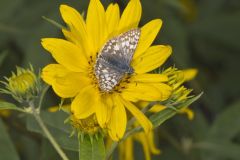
69 85
157 108
153 58
70 36
96 25
112 18
103 111
118 121
131 16
141 118
189 113
74 38
52 71
84 103
129 149
129 96
66 53
152 146
190 74
141 137
164 90
148 34
77 26
146 92
142 104
126 149
65 108
149 78
64 82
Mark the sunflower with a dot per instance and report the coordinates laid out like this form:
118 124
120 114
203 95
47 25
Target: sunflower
73 76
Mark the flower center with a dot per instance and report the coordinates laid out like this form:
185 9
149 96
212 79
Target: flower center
88 125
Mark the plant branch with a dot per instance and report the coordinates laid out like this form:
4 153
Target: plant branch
79 147
47 133
42 96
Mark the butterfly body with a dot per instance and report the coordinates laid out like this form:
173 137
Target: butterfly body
117 65
113 62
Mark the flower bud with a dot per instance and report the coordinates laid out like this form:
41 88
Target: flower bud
176 79
22 85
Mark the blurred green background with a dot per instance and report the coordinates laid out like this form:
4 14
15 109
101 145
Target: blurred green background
204 34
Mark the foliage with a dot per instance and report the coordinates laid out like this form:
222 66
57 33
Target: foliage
204 35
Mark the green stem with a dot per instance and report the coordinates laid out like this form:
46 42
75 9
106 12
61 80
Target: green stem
42 96
47 133
50 137
79 147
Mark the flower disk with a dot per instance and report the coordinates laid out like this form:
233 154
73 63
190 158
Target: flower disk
104 62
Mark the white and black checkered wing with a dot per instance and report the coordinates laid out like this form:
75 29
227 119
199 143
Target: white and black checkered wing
114 60
122 47
128 43
107 77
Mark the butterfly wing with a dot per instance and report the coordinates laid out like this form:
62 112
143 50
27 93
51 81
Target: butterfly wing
107 77
120 49
128 43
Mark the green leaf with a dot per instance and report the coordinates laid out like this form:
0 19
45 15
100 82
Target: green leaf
226 124
56 120
56 24
91 149
7 150
47 151
56 126
6 105
160 117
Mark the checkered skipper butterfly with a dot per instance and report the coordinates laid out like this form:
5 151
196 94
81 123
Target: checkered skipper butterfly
113 61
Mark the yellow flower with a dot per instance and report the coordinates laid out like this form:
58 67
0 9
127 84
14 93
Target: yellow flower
73 76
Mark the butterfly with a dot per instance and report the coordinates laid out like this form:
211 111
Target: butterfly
113 61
